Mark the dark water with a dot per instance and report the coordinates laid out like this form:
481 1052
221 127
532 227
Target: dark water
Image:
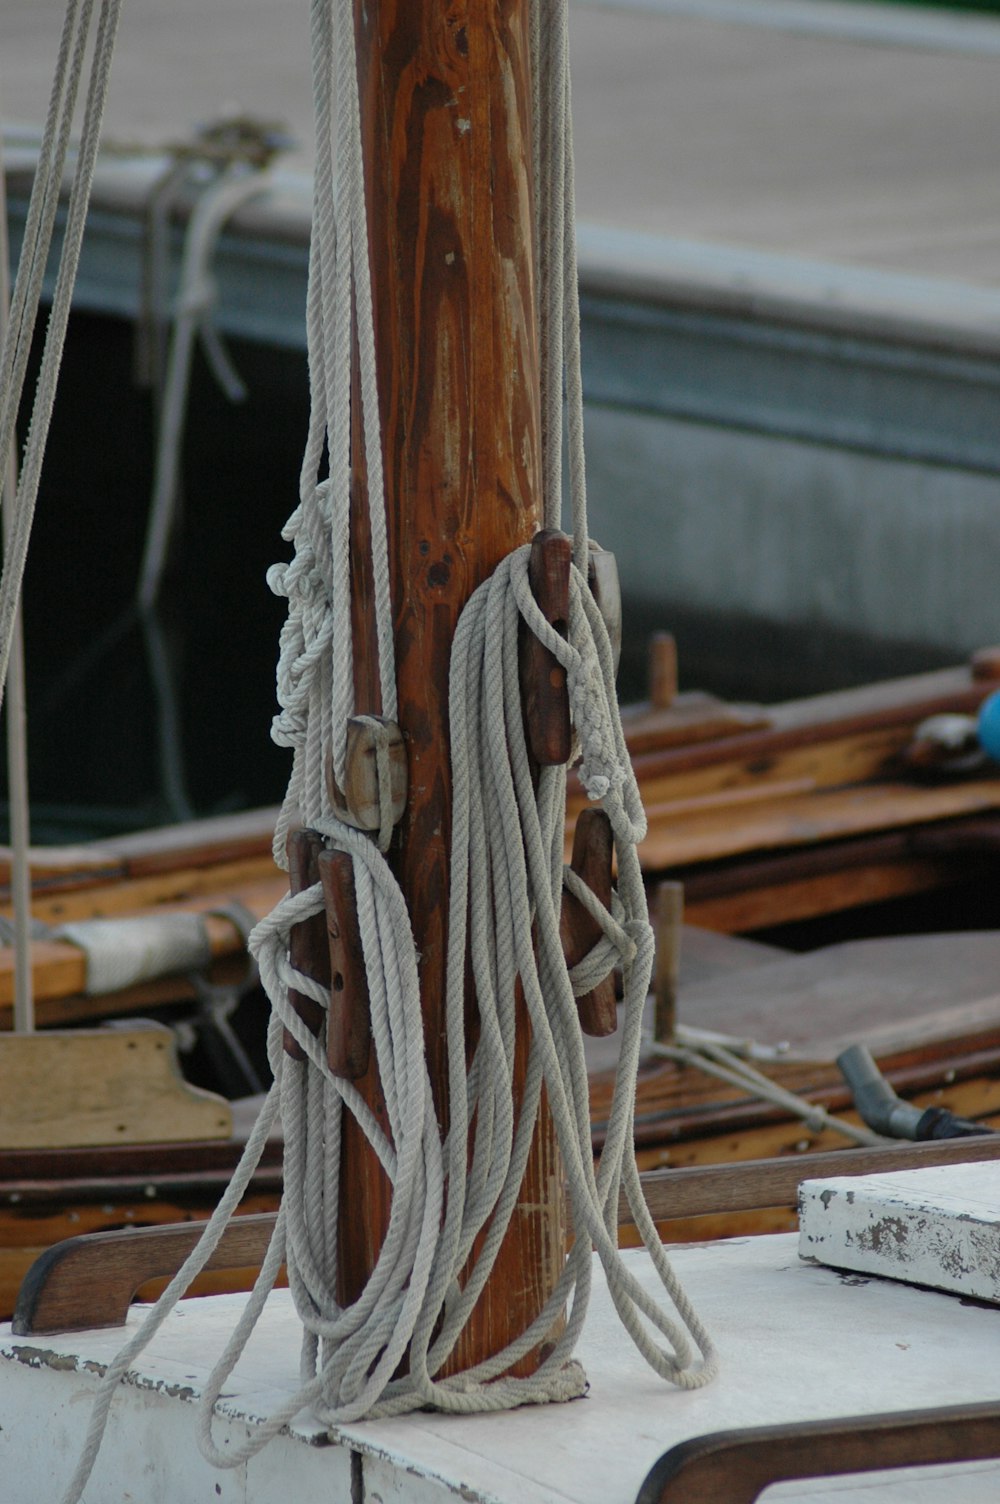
131 726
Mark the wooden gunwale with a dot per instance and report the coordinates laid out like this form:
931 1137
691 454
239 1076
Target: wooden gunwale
675 1105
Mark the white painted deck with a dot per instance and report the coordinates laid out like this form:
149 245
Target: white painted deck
798 1342
866 136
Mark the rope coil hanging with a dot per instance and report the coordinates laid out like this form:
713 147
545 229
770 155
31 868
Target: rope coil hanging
453 1194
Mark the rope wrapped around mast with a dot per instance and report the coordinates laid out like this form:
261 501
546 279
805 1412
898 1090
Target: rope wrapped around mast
453 1194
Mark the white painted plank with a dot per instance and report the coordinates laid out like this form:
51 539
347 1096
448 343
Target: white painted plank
798 1342
938 1227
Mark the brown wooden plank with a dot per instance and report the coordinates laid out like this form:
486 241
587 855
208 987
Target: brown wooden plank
59 967
593 853
684 1116
847 737
680 837
307 947
758 904
543 678
25 1237
195 843
349 1024
132 895
700 1189
737 1466
75 1167
106 1269
692 718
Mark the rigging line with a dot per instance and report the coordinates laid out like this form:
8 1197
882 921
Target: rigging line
42 207
195 295
14 561
16 729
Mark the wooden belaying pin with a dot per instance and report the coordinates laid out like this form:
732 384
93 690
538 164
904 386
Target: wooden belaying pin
593 853
348 1032
307 948
543 678
662 670
668 923
358 802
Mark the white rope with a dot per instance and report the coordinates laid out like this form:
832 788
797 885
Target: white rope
453 1194
724 1063
196 295
31 270
16 713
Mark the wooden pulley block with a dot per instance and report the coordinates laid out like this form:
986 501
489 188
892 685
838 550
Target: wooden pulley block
543 678
593 855
357 804
605 587
307 945
348 1033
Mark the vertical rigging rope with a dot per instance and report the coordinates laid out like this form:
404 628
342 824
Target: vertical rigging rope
31 271
453 1194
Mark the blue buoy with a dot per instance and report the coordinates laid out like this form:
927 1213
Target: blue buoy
989 725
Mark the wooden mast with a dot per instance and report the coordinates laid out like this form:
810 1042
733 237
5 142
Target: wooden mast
446 127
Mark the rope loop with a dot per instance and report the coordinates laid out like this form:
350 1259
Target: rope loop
617 946
454 1194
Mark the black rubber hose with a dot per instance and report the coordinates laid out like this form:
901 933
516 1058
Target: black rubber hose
882 1110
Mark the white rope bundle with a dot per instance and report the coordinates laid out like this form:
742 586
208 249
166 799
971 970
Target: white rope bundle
506 881
316 668
453 1194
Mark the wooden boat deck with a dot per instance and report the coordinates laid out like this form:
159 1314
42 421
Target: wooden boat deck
843 133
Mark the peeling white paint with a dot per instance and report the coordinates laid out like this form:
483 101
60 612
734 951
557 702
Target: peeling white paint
938 1227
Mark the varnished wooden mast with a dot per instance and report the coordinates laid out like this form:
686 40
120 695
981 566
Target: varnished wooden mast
445 100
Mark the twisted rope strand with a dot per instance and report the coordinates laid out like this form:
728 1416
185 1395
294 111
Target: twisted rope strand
454 1194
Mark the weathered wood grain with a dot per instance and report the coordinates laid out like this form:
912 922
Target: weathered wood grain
445 106
307 947
348 1037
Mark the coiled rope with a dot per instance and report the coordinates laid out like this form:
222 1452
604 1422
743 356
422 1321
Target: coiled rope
453 1195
